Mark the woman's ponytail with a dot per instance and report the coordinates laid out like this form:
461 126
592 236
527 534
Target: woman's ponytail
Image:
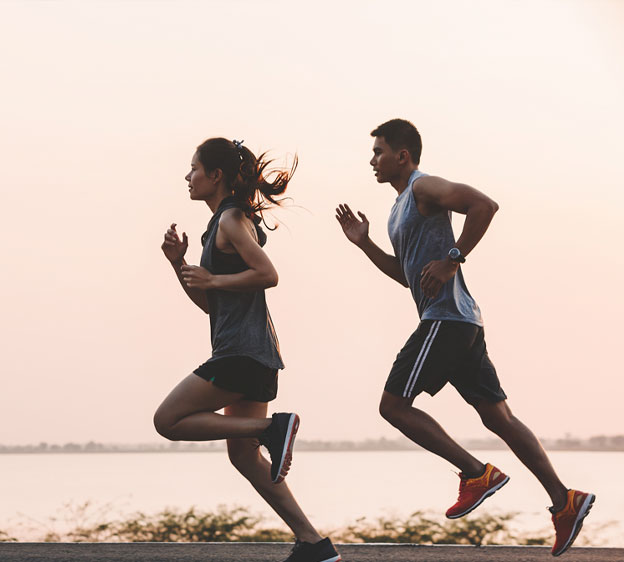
253 184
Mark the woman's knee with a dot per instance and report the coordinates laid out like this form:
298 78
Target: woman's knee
164 425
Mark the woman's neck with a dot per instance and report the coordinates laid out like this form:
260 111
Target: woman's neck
214 201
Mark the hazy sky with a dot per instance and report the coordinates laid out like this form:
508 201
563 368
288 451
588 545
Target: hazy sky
103 103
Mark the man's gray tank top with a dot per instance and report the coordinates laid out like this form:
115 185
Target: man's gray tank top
240 322
418 240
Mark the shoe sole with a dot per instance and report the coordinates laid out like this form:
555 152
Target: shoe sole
289 441
487 494
332 559
578 524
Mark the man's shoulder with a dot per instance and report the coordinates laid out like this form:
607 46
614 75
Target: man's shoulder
427 182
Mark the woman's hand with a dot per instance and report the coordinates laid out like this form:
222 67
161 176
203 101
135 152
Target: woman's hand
197 277
174 248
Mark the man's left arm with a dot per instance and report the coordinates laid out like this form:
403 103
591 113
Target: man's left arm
438 194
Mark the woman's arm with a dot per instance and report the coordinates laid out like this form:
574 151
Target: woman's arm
174 250
261 273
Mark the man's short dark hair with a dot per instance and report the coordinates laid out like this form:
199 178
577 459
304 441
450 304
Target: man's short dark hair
399 133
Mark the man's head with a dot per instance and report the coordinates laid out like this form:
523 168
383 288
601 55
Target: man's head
397 147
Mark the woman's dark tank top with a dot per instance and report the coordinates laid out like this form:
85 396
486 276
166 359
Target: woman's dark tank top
240 322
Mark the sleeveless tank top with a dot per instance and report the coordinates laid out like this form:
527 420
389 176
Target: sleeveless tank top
240 322
418 240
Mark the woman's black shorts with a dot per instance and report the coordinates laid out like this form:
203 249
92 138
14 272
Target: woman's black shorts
244 375
442 351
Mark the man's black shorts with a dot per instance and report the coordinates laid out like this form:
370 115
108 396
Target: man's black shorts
245 375
442 351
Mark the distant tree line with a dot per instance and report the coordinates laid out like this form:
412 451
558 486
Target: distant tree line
567 443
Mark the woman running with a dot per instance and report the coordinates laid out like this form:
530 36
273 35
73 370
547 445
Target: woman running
241 375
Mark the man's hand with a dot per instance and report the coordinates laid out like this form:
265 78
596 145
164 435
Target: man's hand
197 277
355 230
435 274
174 248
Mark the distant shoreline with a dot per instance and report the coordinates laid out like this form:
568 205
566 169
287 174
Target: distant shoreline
593 444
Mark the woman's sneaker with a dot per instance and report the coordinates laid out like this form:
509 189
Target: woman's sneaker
569 520
279 439
473 491
322 551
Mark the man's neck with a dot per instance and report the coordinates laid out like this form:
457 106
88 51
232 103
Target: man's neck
401 181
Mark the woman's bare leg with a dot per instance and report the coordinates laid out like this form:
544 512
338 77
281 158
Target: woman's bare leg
245 455
188 414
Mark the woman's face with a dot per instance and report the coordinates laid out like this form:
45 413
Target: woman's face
201 186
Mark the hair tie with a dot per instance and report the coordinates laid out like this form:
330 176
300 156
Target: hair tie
239 148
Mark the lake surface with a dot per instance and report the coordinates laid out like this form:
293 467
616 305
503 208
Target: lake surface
334 488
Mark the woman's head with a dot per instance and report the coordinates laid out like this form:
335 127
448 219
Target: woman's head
236 168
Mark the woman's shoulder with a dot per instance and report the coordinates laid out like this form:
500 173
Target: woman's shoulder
233 217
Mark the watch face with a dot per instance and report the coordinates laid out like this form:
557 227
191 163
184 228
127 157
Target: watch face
454 253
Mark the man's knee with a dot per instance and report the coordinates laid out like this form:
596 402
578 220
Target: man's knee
495 416
391 407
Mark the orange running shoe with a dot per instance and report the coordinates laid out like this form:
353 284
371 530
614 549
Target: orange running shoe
472 491
569 520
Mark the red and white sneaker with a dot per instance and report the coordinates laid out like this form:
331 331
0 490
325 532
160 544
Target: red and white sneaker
569 520
473 491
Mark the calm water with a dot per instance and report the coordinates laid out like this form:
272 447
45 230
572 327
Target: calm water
334 488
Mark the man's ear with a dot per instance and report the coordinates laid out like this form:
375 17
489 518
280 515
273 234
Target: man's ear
403 156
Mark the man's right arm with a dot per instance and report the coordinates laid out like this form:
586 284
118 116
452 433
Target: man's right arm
356 231
390 265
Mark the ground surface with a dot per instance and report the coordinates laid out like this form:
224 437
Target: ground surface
277 552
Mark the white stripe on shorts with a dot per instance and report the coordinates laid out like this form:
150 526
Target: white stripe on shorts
424 350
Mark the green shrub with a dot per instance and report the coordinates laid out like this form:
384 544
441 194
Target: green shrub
190 526
88 523
420 529
4 537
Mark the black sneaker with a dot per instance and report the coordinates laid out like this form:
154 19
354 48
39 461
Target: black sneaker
322 551
279 439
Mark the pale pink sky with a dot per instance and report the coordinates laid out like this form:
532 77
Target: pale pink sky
104 102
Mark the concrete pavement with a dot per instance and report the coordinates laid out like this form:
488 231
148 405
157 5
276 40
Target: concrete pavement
277 552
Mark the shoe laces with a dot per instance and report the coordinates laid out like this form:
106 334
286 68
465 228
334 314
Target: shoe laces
462 483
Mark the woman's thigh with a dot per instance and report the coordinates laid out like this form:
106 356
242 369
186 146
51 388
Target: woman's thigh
192 395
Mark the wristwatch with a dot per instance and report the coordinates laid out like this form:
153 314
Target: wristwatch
456 256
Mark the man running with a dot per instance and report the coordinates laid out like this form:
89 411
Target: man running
448 345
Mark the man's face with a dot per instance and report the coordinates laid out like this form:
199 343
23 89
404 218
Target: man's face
385 161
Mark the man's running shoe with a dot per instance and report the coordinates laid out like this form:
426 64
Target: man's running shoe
322 551
279 439
472 491
569 520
